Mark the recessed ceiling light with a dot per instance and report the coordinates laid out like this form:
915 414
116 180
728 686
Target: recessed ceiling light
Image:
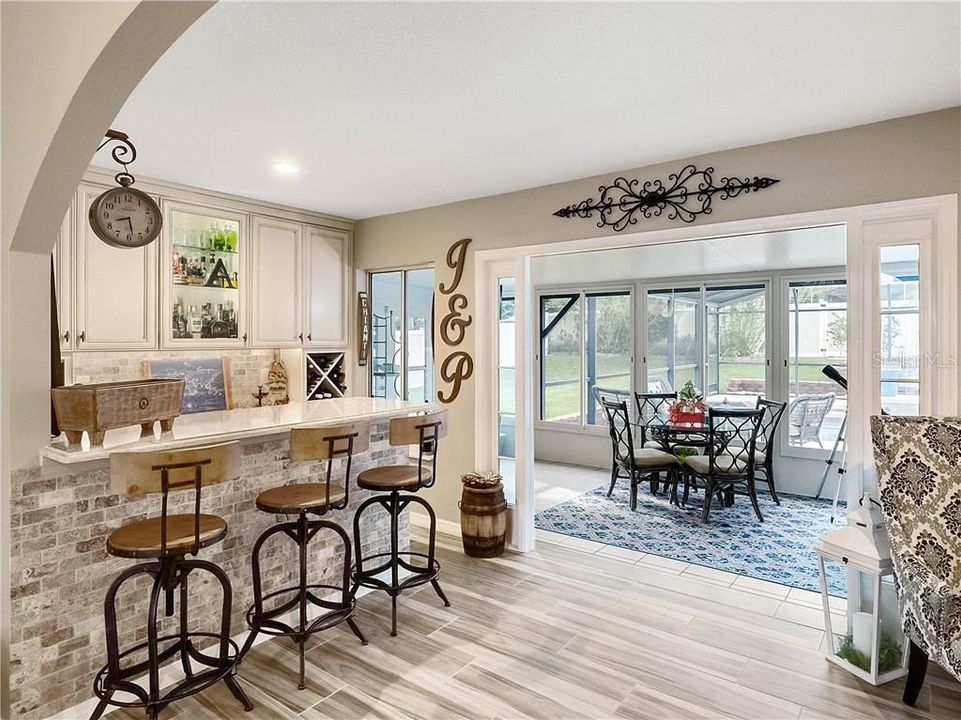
286 168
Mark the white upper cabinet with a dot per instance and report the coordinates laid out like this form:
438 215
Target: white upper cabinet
326 273
276 280
115 289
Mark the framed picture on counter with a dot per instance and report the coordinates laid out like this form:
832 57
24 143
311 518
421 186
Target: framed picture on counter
206 381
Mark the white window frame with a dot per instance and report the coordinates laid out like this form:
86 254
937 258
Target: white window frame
760 278
583 427
781 365
403 305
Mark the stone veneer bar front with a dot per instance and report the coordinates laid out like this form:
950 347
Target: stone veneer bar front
63 511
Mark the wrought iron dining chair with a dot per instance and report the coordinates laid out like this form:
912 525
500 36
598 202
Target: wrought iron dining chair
917 462
764 452
637 464
612 395
653 407
730 461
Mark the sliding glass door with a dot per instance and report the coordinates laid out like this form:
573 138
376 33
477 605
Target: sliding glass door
401 352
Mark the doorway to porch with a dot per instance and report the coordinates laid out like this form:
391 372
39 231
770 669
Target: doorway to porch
753 310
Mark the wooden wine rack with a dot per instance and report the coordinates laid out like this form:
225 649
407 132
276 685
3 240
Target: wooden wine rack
326 375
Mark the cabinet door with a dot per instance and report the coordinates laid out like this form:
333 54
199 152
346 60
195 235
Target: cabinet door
203 300
327 275
275 270
115 289
62 279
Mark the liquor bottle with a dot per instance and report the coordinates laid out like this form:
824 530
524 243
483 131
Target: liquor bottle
196 324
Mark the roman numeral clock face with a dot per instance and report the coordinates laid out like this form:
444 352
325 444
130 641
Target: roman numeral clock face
125 218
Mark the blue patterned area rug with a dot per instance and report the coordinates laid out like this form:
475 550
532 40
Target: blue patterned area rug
781 549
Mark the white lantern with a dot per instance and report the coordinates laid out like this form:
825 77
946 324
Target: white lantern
872 647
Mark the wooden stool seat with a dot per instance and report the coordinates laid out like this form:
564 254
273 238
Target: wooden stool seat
142 539
292 499
393 477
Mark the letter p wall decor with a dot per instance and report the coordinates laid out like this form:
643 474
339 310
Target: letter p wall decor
458 366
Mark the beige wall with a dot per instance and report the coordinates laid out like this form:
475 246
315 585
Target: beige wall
911 157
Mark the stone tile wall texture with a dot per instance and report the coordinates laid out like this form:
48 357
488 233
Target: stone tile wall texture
247 368
60 571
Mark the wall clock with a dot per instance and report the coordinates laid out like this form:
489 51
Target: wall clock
124 217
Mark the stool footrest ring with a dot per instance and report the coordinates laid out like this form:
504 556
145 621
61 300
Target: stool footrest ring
420 574
105 686
267 623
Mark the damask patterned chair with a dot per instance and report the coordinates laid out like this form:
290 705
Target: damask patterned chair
918 461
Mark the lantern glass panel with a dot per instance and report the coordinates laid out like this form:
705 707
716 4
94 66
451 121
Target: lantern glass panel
854 640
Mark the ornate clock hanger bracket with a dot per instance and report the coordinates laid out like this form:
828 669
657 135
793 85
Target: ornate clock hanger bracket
122 153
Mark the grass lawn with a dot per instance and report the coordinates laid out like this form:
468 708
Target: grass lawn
562 402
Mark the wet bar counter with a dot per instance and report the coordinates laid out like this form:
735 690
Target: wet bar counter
62 513
227 425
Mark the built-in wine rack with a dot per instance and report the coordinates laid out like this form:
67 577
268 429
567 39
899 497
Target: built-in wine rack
326 375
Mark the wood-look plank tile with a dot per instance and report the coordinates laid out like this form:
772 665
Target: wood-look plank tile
272 667
349 704
764 587
523 700
648 704
719 696
836 698
703 572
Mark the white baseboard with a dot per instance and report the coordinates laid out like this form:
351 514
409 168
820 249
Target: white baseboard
173 672
444 527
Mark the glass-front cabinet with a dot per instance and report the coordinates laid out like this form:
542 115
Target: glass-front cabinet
204 286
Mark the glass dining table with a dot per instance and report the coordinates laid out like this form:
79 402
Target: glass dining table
679 438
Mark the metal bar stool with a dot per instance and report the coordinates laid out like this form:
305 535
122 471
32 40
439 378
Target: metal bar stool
167 540
425 431
303 499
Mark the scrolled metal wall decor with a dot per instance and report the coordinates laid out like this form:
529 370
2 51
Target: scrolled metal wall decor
458 366
686 195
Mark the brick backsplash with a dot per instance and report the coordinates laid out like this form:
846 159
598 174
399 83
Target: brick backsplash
247 368
60 571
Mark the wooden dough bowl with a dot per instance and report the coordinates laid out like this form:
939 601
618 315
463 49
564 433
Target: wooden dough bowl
99 407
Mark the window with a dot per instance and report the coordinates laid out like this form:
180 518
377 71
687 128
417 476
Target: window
817 313
506 412
586 341
713 336
402 362
899 312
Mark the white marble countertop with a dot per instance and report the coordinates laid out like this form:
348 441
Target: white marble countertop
227 425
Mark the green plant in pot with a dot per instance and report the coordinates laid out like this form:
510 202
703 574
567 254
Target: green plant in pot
689 406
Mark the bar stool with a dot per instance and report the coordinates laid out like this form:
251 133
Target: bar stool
425 431
167 540
303 499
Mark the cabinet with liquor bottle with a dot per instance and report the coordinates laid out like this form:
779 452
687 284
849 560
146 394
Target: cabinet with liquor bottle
204 276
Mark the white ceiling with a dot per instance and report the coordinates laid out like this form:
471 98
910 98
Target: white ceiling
787 250
388 107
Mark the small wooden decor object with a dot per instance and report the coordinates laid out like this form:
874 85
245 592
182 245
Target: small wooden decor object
277 381
363 328
99 407
458 366
483 515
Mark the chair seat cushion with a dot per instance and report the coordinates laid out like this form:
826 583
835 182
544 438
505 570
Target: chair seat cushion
760 458
142 538
723 463
654 445
391 477
289 499
651 458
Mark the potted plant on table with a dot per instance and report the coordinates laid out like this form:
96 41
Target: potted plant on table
689 406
